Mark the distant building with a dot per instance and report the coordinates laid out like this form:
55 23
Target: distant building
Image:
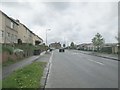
113 47
8 29
107 47
86 46
55 45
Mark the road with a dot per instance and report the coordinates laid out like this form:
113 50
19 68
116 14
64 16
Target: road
76 70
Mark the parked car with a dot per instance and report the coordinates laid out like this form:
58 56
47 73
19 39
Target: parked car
36 52
61 50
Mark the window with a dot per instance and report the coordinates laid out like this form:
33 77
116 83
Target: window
8 34
12 25
12 37
2 33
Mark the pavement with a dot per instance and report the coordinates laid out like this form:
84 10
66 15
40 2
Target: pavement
104 55
72 69
6 71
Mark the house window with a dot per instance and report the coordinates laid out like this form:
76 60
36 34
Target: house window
12 25
8 34
2 33
12 37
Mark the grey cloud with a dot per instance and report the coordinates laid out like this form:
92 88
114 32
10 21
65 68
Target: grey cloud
76 28
58 5
16 5
39 21
77 22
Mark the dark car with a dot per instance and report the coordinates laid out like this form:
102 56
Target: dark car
61 50
50 50
36 52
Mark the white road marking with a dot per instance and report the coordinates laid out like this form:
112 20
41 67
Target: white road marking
96 62
75 53
90 59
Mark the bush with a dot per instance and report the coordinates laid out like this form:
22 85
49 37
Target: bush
27 48
106 50
7 49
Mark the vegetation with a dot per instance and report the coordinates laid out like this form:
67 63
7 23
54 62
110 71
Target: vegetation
7 48
25 47
28 50
27 77
72 45
116 38
106 50
64 45
98 41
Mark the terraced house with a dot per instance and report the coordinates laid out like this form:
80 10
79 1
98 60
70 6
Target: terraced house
37 40
8 29
12 31
27 36
24 34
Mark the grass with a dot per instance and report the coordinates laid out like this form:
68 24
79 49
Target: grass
27 77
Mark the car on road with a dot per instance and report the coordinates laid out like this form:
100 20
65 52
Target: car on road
51 49
61 50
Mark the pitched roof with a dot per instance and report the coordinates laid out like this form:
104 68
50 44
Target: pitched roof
10 18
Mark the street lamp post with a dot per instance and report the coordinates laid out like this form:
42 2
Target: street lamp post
46 34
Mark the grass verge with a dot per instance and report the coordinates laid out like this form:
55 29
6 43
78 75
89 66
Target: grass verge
27 77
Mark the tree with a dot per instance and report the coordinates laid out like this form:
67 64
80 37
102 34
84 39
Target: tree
72 45
64 45
117 38
98 41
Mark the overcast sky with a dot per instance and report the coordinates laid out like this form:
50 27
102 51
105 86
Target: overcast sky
68 21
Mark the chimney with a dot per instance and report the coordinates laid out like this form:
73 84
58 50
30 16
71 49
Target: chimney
17 20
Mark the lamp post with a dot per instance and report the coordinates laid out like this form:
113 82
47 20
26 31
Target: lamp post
46 34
